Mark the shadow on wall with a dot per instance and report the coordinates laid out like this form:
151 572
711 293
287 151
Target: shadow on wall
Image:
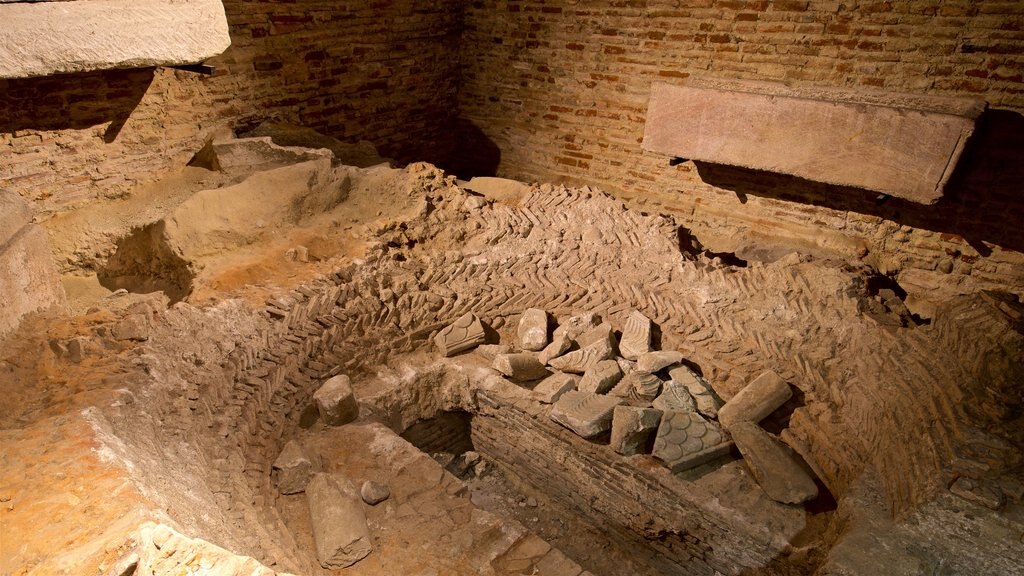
73 101
474 153
984 200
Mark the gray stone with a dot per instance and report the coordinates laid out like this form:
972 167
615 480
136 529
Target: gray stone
700 390
876 138
579 361
601 377
636 336
686 440
587 415
292 469
374 493
464 334
233 155
336 402
132 327
577 325
533 330
756 400
773 464
560 344
640 386
674 398
553 387
632 428
340 532
45 38
654 361
490 351
522 367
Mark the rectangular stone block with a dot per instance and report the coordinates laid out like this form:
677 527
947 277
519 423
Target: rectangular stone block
339 524
587 415
897 144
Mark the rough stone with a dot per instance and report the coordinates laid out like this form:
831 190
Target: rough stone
674 398
292 469
553 387
560 344
522 367
579 361
636 336
756 400
490 351
602 332
632 428
700 390
981 493
773 464
577 325
252 154
464 334
877 138
587 415
533 330
654 361
336 402
641 386
686 440
374 493
132 327
601 377
44 38
339 525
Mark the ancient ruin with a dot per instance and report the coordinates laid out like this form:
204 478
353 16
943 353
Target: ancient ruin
532 287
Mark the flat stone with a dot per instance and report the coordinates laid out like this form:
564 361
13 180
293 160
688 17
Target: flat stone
654 361
464 334
577 325
490 351
579 361
641 386
45 38
674 397
601 377
773 464
292 469
560 344
632 428
533 330
603 332
336 402
553 387
587 415
636 336
686 440
339 525
374 493
756 400
259 153
898 144
522 367
707 402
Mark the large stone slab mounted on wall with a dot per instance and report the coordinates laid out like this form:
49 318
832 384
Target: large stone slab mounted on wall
898 144
44 38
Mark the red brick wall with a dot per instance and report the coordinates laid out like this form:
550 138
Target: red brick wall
383 71
561 88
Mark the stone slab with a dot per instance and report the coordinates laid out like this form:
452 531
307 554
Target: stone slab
292 469
553 387
773 465
897 144
674 397
587 415
601 377
579 361
339 524
686 440
756 400
44 38
632 428
654 361
522 367
707 402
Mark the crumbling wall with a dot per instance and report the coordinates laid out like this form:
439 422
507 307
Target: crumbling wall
561 89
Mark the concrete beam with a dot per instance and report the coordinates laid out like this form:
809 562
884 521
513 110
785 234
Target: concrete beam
897 144
44 38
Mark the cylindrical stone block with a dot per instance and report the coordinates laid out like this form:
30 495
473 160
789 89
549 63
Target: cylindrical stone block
335 401
757 400
339 525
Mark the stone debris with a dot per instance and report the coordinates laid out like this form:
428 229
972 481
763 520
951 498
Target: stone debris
132 327
464 334
686 440
522 366
553 387
601 377
336 402
654 361
560 344
577 325
674 398
756 400
627 366
374 493
579 361
982 493
533 330
773 464
636 336
292 469
339 525
604 332
700 390
490 351
632 428
588 415
641 386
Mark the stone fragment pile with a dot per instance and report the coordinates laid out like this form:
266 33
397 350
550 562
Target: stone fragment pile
616 388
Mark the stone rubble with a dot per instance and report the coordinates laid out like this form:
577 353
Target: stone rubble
588 415
756 400
700 390
601 377
336 402
636 336
292 469
632 428
522 367
553 387
374 493
533 330
773 464
464 334
339 525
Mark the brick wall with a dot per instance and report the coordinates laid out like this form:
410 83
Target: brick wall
561 88
382 71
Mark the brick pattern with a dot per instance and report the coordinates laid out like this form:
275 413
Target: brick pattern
382 71
562 88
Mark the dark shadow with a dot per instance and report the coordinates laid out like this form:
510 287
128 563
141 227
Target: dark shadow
473 154
73 101
144 263
983 202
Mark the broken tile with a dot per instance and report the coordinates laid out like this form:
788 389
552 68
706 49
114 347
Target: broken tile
686 440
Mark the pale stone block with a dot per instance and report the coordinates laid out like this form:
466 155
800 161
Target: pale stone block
756 400
773 464
533 330
464 334
632 428
654 361
553 387
522 367
674 398
340 532
587 415
601 377
292 469
336 402
577 325
686 440
636 336
560 344
707 402
579 361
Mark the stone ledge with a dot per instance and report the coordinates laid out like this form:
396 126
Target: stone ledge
44 38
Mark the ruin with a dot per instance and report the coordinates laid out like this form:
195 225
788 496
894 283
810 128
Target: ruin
531 287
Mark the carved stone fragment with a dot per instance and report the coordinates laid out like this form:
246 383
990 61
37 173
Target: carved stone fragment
465 333
703 394
553 387
674 398
654 361
632 428
560 344
773 464
522 367
533 330
580 361
756 401
686 440
339 525
587 415
577 325
636 336
641 386
601 377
